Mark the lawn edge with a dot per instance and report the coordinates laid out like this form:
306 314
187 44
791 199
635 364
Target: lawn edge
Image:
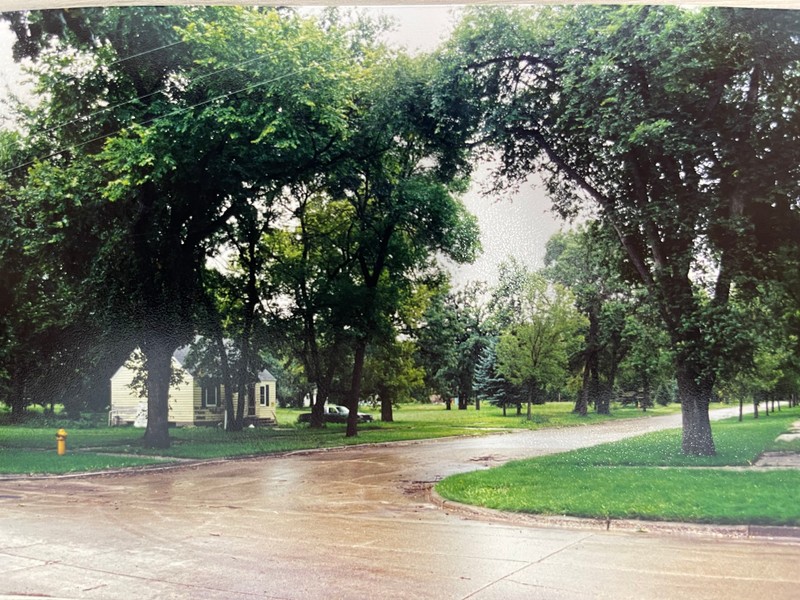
175 463
785 533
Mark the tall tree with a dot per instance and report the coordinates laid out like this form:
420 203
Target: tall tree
309 268
391 375
229 104
490 384
452 336
535 350
231 313
589 265
401 192
678 125
767 368
391 207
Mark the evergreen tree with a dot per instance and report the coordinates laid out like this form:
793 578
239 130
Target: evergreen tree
490 384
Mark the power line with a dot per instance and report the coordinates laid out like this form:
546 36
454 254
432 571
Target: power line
146 52
85 118
167 115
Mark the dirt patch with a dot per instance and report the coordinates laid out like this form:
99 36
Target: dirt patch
489 458
417 488
785 460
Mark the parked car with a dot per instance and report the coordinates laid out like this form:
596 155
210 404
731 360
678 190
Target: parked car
335 413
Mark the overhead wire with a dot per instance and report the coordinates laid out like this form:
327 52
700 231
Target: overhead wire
86 118
111 64
164 116
146 52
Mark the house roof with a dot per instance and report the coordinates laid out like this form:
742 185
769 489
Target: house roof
181 353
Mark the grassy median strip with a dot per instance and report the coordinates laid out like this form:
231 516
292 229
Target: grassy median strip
647 478
31 461
31 449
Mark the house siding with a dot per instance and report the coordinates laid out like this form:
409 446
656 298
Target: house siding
181 399
185 400
266 412
125 401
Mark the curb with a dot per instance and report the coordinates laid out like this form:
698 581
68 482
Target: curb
743 532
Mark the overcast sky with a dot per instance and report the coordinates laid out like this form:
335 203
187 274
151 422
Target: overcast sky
518 227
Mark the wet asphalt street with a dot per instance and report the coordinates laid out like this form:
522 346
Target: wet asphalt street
356 523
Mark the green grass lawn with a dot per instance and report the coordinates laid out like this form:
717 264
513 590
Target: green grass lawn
31 461
31 449
647 478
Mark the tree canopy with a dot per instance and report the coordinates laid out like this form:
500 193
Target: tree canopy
679 128
270 177
236 106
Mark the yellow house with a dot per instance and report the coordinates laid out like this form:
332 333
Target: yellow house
191 401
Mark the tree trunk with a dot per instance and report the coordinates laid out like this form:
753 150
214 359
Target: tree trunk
448 403
531 392
355 388
17 400
591 379
741 408
582 403
158 364
241 401
387 415
318 404
318 412
600 394
695 397
219 341
244 378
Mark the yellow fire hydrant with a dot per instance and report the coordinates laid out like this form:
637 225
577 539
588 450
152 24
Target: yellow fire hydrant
61 442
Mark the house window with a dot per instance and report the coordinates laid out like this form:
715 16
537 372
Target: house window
264 395
210 395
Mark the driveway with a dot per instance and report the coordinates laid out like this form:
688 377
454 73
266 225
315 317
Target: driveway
353 523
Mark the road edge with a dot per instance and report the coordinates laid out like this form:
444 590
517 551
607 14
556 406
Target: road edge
761 532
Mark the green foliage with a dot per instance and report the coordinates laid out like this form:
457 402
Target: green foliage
591 265
665 394
768 367
535 350
234 107
328 171
678 125
391 375
137 363
490 384
648 363
452 335
366 232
